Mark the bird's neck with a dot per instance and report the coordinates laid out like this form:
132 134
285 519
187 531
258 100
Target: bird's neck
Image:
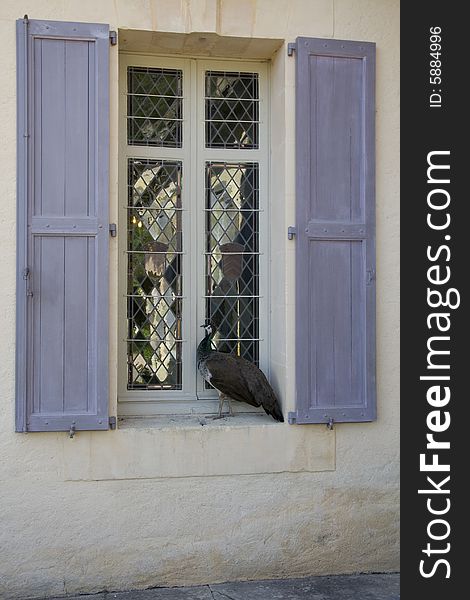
205 347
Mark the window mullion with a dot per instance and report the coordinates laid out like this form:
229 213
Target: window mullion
200 220
192 230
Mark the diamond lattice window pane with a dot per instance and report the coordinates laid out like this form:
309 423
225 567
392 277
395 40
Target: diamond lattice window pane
155 107
154 276
232 256
232 110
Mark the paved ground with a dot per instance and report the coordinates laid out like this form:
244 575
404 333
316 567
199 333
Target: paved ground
344 587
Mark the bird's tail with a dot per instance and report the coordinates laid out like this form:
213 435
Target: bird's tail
276 413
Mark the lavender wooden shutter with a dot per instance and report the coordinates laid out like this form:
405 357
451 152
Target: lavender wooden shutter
335 245
62 285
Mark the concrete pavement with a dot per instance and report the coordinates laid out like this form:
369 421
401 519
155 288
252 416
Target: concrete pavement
341 587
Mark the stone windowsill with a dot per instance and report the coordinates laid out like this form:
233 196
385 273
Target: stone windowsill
196 421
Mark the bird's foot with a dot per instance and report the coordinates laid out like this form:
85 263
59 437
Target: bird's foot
224 416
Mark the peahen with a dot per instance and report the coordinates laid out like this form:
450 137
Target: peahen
235 378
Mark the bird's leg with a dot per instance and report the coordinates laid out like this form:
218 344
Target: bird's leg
222 398
221 405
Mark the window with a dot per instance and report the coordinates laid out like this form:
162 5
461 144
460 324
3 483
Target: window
193 193
193 219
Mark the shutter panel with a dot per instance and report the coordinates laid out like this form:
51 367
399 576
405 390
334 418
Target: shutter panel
62 286
335 245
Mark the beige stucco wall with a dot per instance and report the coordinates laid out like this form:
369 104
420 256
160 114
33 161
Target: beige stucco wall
159 503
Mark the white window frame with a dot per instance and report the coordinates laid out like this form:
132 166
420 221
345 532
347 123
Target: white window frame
193 398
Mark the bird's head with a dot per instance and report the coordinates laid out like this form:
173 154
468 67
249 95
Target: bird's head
209 328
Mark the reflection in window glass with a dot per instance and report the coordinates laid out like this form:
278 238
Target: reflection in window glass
154 278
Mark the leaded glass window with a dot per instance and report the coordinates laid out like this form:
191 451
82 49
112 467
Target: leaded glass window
195 160
232 256
155 107
232 111
154 285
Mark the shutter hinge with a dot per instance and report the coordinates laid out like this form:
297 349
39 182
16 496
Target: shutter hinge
26 273
112 422
330 424
291 232
72 430
370 276
291 48
113 229
292 418
113 37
